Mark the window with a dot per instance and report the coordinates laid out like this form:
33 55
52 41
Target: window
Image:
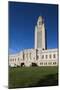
54 55
34 58
41 63
43 49
36 51
18 59
42 56
54 62
30 56
46 56
34 64
37 57
23 55
50 56
45 63
27 55
15 59
50 63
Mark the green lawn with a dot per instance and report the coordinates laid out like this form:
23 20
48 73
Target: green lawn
33 76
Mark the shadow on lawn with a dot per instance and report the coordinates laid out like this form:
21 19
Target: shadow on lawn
49 80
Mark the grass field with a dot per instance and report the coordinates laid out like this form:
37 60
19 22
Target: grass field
33 76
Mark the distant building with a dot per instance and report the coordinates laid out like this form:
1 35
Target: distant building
39 55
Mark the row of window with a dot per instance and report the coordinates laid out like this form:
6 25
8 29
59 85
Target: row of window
14 59
37 57
43 56
50 56
49 63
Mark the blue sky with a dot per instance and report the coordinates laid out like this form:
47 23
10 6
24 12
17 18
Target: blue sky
22 20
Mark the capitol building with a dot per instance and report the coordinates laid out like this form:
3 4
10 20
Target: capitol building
39 55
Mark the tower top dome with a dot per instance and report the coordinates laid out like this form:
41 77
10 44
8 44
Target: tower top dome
40 19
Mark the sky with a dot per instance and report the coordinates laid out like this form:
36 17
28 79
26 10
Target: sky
22 20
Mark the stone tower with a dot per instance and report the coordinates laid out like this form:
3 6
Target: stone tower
40 34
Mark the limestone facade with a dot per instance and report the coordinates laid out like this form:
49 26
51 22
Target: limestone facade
39 57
